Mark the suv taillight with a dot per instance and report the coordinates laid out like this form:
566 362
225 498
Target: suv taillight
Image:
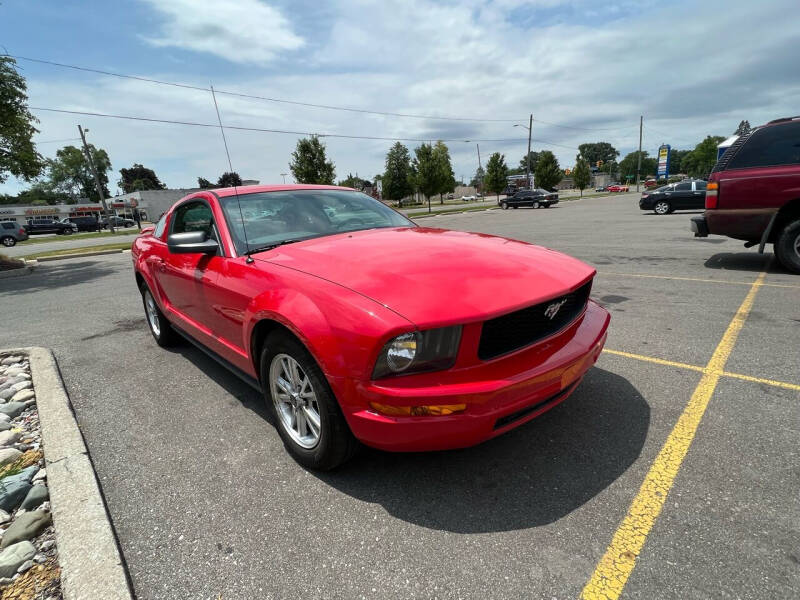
21 231
712 190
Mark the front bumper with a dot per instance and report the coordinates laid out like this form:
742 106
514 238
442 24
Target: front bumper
646 203
699 226
503 394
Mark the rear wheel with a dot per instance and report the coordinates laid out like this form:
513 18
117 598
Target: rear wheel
9 241
662 207
161 329
535 205
787 248
504 205
307 414
67 231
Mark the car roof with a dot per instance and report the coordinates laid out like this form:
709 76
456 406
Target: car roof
252 189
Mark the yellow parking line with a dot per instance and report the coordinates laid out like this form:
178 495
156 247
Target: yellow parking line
619 560
780 384
642 276
680 365
658 361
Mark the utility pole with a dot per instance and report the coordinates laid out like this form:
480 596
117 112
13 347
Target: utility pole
480 178
284 177
96 180
528 155
639 159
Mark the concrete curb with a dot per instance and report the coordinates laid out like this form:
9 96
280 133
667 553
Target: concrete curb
80 254
91 564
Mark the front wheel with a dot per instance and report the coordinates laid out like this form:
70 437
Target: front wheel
787 248
535 205
307 414
161 329
504 205
67 232
9 241
662 207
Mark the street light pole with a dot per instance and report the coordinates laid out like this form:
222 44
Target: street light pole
528 155
284 177
96 180
639 159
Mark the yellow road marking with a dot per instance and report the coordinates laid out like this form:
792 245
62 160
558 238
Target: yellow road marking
680 365
619 560
642 276
658 361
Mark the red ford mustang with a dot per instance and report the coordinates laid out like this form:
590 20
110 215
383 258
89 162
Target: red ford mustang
359 325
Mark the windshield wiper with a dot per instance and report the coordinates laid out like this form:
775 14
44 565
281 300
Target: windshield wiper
272 246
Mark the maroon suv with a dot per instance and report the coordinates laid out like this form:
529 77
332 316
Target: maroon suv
753 192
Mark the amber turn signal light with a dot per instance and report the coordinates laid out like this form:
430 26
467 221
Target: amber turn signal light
417 411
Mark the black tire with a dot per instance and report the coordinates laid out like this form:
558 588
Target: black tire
662 207
787 247
67 231
8 241
504 205
163 333
336 444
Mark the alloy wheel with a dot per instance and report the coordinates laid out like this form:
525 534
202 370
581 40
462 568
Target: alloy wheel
9 241
152 313
295 401
661 207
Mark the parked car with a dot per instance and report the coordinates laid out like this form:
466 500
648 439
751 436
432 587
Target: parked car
469 198
617 188
84 223
752 192
38 226
319 307
534 198
11 233
117 222
684 195
650 184
601 188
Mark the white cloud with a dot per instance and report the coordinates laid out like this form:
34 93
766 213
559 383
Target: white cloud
242 31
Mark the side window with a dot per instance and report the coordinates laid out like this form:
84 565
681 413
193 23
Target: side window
160 226
700 186
193 216
770 146
7 225
684 187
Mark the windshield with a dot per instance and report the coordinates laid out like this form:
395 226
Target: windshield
274 217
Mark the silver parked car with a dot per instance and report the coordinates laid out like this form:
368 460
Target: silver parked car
12 232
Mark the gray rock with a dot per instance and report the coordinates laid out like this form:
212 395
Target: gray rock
40 475
12 494
9 455
4 517
27 474
25 566
22 385
23 396
7 438
37 495
6 394
5 426
4 418
40 558
25 527
12 409
5 581
13 556
47 545
10 360
14 371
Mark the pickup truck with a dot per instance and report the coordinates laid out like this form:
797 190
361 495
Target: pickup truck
753 192
40 226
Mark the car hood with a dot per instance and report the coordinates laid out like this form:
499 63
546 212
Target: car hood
435 276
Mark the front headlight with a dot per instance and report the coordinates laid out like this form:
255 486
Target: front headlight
416 351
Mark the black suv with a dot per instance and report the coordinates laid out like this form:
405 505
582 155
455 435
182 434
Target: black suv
684 195
117 222
534 198
84 223
37 226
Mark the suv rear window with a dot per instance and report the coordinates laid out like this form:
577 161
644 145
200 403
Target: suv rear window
770 146
7 225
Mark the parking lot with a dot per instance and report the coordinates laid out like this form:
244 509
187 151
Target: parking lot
672 471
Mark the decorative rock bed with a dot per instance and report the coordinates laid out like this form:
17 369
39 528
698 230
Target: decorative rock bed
29 567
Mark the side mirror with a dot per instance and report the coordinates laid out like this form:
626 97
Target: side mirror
148 229
192 242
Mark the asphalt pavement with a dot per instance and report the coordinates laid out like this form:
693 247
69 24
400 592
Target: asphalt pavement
207 504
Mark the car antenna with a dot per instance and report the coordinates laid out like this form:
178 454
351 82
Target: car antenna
249 258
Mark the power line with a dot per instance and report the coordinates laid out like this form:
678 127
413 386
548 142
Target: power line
305 104
283 131
59 141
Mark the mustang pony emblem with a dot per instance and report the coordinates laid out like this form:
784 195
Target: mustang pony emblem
552 310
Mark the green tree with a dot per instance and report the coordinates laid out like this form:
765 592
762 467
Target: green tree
700 161
627 166
18 156
523 163
496 173
675 161
355 182
581 174
426 171
310 164
477 179
743 128
595 151
398 178
69 173
444 170
204 183
548 173
227 179
139 178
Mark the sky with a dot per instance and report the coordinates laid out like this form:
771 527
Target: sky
585 70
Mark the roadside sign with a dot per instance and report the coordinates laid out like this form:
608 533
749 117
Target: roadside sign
663 161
